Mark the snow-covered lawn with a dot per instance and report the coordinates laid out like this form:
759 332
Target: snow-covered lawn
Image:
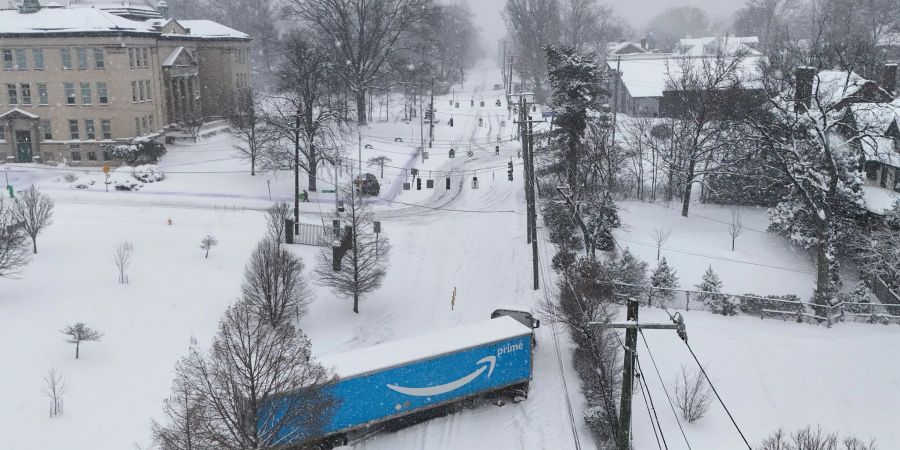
774 374
762 263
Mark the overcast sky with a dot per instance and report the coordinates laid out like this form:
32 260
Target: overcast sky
637 12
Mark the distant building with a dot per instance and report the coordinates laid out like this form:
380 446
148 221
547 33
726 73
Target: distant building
716 45
614 49
643 82
73 79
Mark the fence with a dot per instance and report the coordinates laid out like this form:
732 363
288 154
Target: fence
785 307
310 234
884 293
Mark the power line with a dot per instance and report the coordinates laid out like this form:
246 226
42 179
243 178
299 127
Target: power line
663 385
717 394
645 391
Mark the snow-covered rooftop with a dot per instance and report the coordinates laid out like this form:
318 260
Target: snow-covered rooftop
93 19
878 199
648 75
67 20
711 45
403 351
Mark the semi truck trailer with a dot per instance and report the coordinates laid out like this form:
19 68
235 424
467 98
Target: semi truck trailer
399 381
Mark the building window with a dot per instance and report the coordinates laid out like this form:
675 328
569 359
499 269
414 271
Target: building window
106 129
131 58
43 98
69 88
73 130
65 55
92 156
141 89
8 59
85 93
76 156
26 93
90 132
149 95
37 54
137 126
99 62
151 123
134 97
12 93
107 156
82 58
21 59
144 124
102 96
146 53
46 130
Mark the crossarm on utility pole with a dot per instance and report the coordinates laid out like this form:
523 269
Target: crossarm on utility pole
635 325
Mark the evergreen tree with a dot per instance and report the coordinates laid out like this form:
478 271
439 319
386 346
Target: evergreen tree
664 277
631 274
711 286
603 216
579 87
859 298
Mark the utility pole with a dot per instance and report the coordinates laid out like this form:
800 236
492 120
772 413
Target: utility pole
615 110
421 128
632 326
527 136
431 114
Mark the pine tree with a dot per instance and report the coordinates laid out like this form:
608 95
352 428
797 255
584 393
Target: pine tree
859 299
631 274
711 286
664 277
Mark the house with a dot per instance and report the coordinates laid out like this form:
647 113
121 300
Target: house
644 80
626 48
719 45
76 79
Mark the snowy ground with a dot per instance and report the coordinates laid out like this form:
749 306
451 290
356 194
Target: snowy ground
771 373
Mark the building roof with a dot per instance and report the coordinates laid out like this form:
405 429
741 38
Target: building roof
624 48
88 19
17 111
878 199
174 54
648 75
711 45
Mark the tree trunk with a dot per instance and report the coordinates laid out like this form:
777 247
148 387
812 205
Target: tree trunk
825 288
34 242
361 106
313 168
76 350
356 303
688 184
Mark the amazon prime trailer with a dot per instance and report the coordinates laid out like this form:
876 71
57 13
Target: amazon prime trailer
408 378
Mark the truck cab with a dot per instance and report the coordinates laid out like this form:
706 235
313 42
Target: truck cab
521 315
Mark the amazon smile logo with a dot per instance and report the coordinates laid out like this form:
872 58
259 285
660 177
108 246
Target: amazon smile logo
487 363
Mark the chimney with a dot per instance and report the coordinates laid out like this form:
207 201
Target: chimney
644 43
889 77
163 9
803 84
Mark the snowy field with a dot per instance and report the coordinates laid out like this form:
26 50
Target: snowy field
771 373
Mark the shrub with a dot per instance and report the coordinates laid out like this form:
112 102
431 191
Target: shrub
758 303
692 394
809 439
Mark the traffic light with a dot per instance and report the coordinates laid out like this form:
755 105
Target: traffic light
509 171
451 122
418 184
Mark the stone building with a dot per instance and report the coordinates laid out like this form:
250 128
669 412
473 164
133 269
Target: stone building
75 79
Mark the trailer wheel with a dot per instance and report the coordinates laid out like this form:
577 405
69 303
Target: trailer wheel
338 441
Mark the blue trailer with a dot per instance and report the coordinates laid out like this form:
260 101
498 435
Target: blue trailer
397 380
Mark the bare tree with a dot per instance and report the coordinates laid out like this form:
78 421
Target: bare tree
532 24
13 242
274 283
193 127
359 265
692 394
78 333
735 226
257 388
363 35
660 236
276 221
379 161
207 243
54 389
809 439
183 427
34 212
122 259
249 127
